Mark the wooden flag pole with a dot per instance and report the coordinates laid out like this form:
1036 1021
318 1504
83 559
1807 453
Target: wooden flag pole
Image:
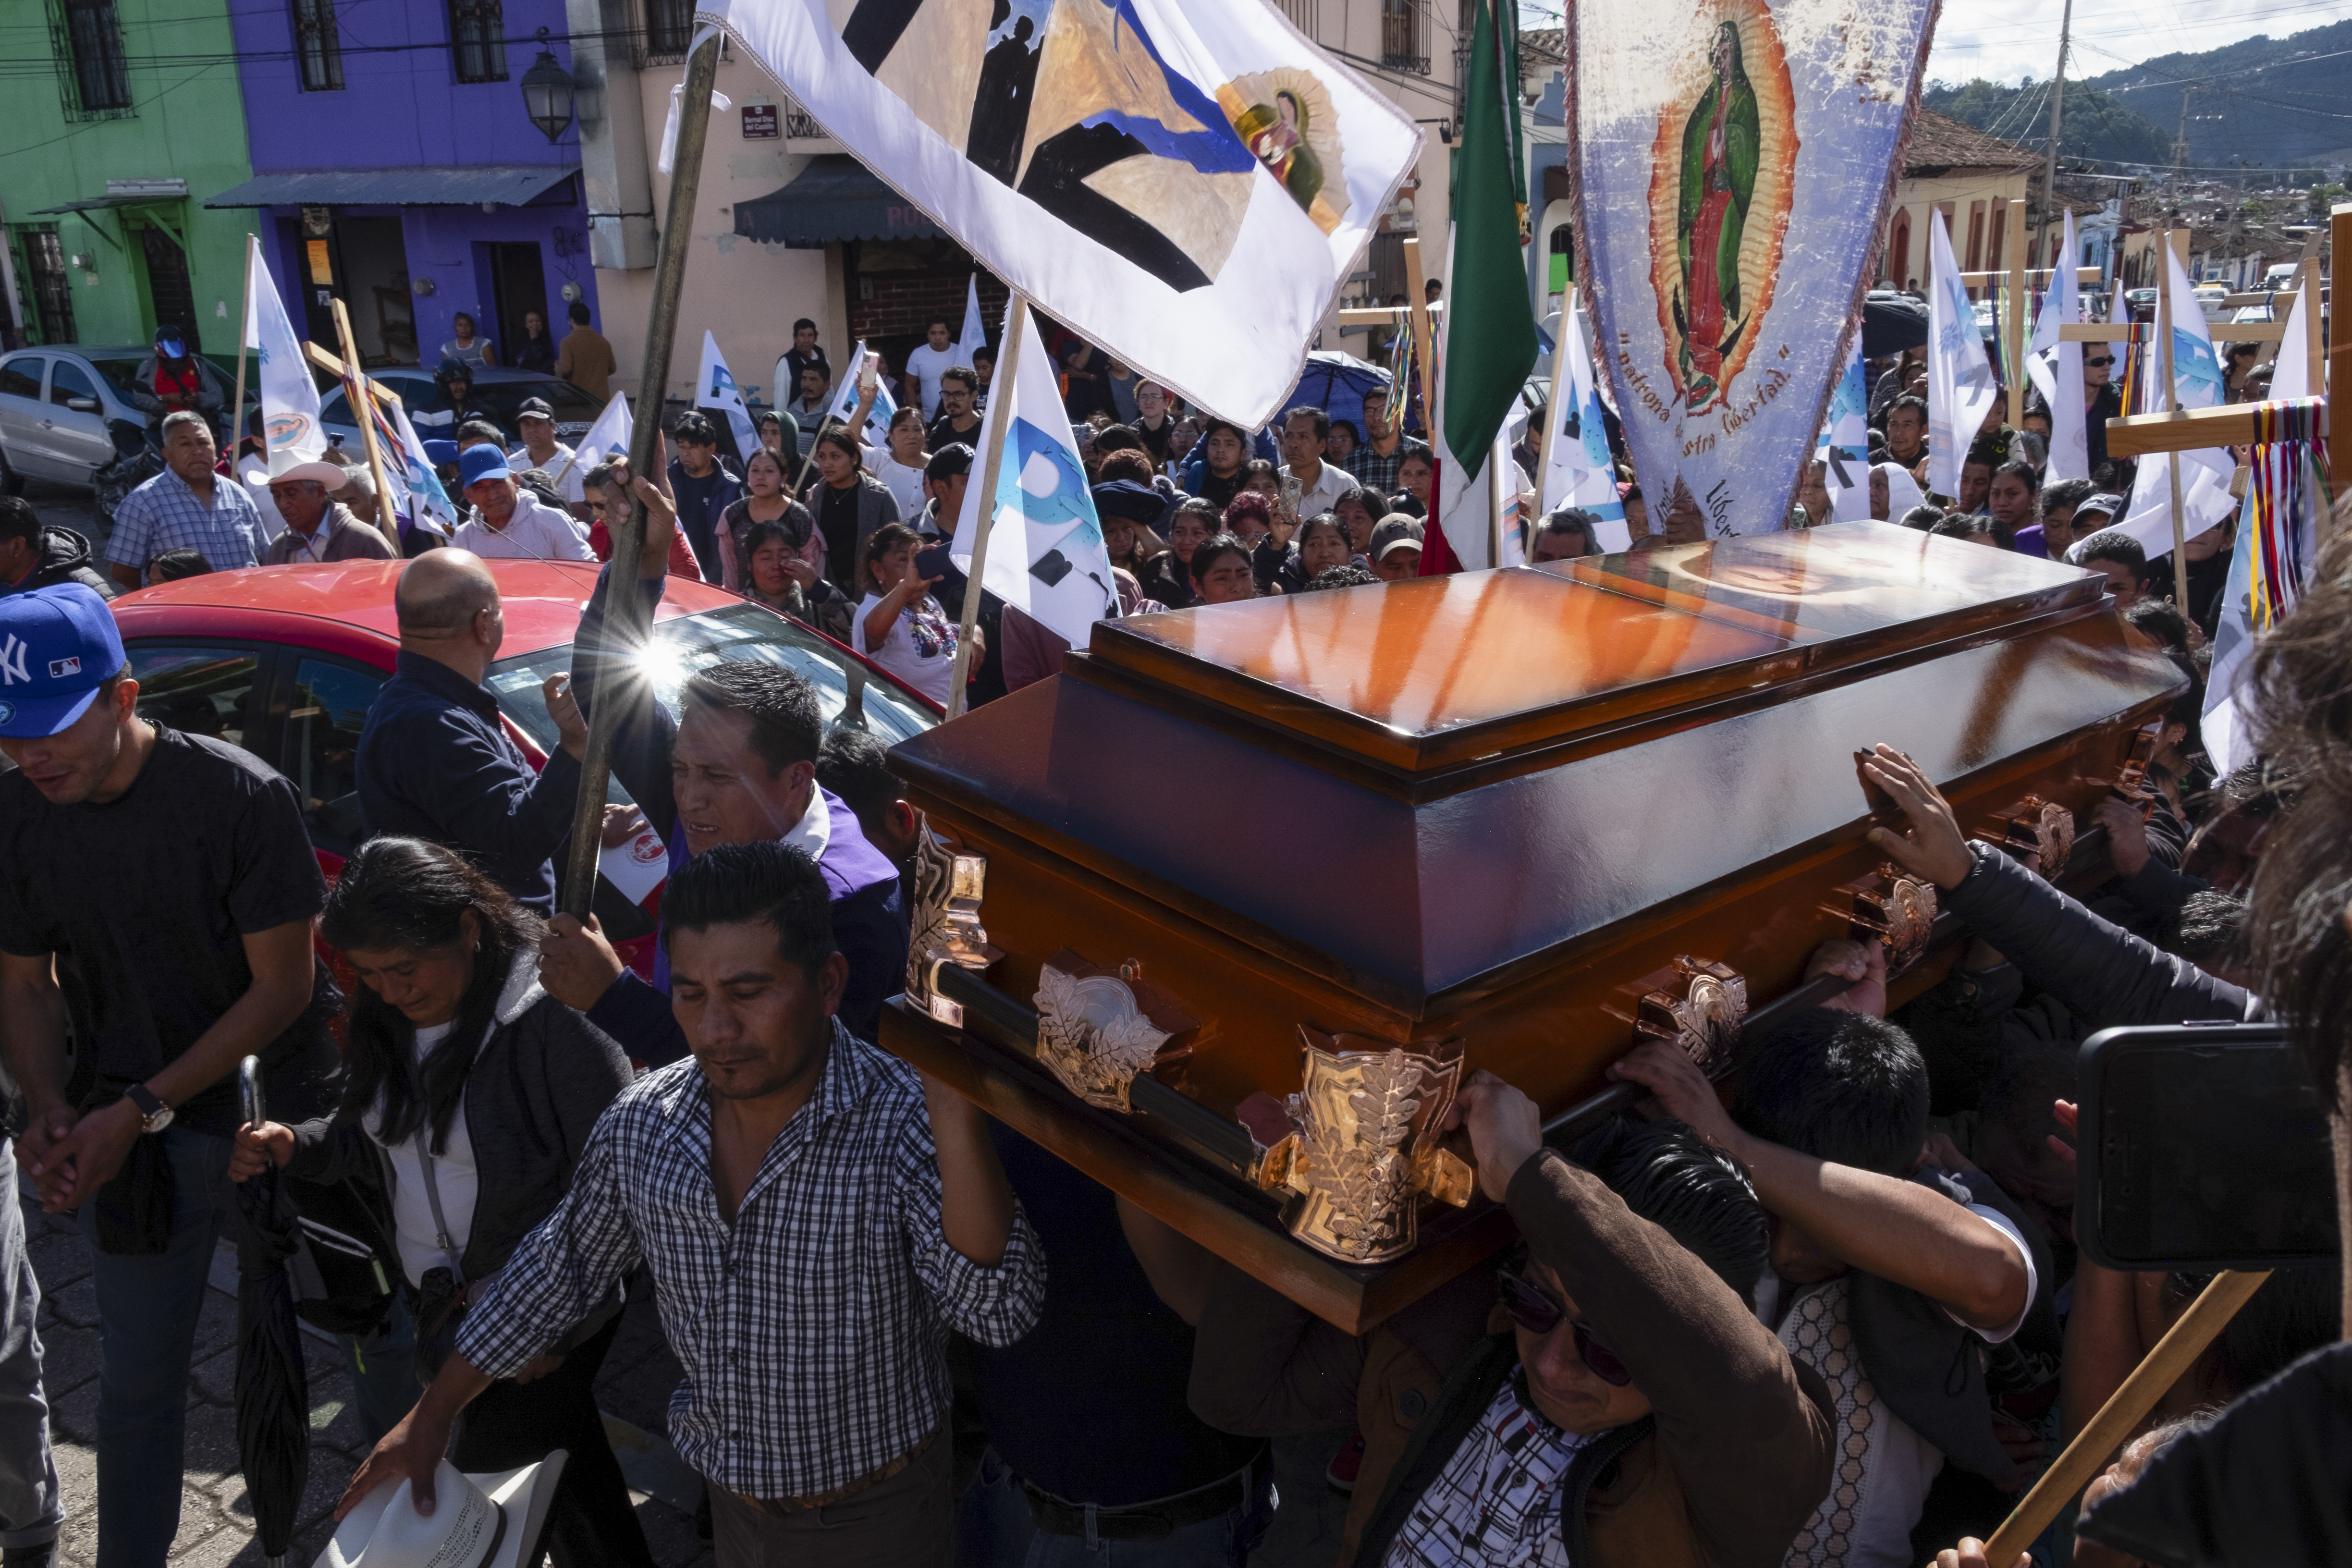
2171 405
2013 333
624 607
2339 337
992 464
366 417
2087 1455
1551 417
1421 343
236 404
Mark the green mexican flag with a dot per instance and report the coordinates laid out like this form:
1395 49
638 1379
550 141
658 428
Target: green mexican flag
1490 334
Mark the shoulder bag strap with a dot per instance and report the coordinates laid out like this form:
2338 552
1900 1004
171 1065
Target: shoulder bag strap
432 1198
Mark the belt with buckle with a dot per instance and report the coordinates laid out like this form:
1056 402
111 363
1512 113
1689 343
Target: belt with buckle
783 1508
1153 1521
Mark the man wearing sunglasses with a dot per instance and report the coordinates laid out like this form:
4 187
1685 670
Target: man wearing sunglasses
2101 401
1619 1404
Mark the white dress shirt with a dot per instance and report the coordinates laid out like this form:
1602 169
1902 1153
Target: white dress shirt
536 531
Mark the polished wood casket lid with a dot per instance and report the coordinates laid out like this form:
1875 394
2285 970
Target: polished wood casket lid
1419 790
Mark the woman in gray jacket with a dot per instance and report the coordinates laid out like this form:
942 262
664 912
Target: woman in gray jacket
849 504
470 1091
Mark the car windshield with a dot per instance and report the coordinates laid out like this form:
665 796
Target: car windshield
123 372
847 691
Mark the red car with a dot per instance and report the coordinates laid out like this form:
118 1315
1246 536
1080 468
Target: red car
285 660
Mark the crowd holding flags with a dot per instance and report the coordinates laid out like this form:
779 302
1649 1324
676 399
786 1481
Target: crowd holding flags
2053 363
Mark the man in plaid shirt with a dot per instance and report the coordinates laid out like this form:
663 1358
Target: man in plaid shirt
185 507
1375 462
815 1216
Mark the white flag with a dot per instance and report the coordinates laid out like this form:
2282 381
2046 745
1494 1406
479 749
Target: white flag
608 437
1046 551
1167 178
877 433
1577 468
1844 444
421 498
1961 388
714 387
2205 474
2291 372
973 340
2055 367
289 398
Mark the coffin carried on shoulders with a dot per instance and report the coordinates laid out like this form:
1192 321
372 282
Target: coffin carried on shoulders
1221 913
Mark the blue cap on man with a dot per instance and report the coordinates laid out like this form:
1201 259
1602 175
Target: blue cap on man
57 647
482 462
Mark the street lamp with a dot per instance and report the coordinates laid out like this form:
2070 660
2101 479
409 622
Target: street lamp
547 94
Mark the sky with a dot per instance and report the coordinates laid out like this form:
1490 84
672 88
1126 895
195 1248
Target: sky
2004 39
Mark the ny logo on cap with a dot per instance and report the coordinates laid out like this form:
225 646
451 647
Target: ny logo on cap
12 662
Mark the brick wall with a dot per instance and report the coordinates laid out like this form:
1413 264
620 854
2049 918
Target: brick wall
894 318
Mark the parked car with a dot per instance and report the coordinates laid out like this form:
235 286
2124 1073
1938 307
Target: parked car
286 660
499 391
66 411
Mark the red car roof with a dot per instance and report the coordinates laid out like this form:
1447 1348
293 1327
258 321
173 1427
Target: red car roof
543 600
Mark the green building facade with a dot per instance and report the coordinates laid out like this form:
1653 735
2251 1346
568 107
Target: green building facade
104 172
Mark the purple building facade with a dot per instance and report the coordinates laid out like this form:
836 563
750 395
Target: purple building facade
396 168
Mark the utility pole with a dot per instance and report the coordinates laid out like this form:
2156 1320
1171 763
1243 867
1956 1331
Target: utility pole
2057 108
2181 142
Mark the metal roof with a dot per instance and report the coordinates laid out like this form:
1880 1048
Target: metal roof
507 184
835 197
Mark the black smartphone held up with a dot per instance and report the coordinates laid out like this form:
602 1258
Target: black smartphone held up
932 562
2203 1146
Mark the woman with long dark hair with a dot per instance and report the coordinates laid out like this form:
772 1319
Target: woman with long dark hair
471 1091
849 504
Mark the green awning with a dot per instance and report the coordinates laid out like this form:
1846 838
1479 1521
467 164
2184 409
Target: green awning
835 197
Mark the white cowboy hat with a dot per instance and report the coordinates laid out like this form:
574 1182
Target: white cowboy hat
285 465
478 1521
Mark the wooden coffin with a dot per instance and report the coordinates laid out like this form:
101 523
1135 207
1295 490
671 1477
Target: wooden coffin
1345 846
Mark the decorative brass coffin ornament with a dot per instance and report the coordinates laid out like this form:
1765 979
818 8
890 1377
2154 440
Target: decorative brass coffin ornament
1357 1147
944 922
1893 907
1093 1035
1700 1008
2041 828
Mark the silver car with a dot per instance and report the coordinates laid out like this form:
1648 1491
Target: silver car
61 406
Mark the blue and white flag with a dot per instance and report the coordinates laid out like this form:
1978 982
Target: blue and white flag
2205 475
289 398
1578 470
2055 367
608 437
1844 445
974 340
714 387
1961 386
1046 551
877 433
421 499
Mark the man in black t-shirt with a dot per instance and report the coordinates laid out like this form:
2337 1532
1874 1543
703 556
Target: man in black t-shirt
957 422
167 881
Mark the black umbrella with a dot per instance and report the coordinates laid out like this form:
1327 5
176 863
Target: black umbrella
273 1390
1892 322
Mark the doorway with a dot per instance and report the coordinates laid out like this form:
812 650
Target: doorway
170 296
371 276
518 284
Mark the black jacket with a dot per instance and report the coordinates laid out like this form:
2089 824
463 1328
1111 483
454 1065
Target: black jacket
541 1082
2102 974
65 558
2271 1481
434 764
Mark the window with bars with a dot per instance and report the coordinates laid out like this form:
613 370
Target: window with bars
477 39
52 291
96 76
1404 39
318 45
669 27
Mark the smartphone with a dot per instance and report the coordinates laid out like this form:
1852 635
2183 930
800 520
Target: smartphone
932 562
1292 492
2203 1146
869 374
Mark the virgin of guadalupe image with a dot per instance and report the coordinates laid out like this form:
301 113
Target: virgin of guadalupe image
1277 138
1720 144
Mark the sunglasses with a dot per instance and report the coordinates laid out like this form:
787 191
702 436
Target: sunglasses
1540 1314
2095 363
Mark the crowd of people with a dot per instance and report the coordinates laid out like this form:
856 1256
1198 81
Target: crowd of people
1836 1315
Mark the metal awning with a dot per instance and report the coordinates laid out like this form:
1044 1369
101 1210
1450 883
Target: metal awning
835 197
102 204
507 184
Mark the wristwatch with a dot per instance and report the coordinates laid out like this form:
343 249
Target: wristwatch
154 1114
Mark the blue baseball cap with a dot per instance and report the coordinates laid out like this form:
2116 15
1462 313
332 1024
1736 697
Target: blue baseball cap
440 452
57 647
482 462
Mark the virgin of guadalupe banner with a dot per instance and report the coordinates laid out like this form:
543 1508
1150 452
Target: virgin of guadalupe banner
1736 162
1168 178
